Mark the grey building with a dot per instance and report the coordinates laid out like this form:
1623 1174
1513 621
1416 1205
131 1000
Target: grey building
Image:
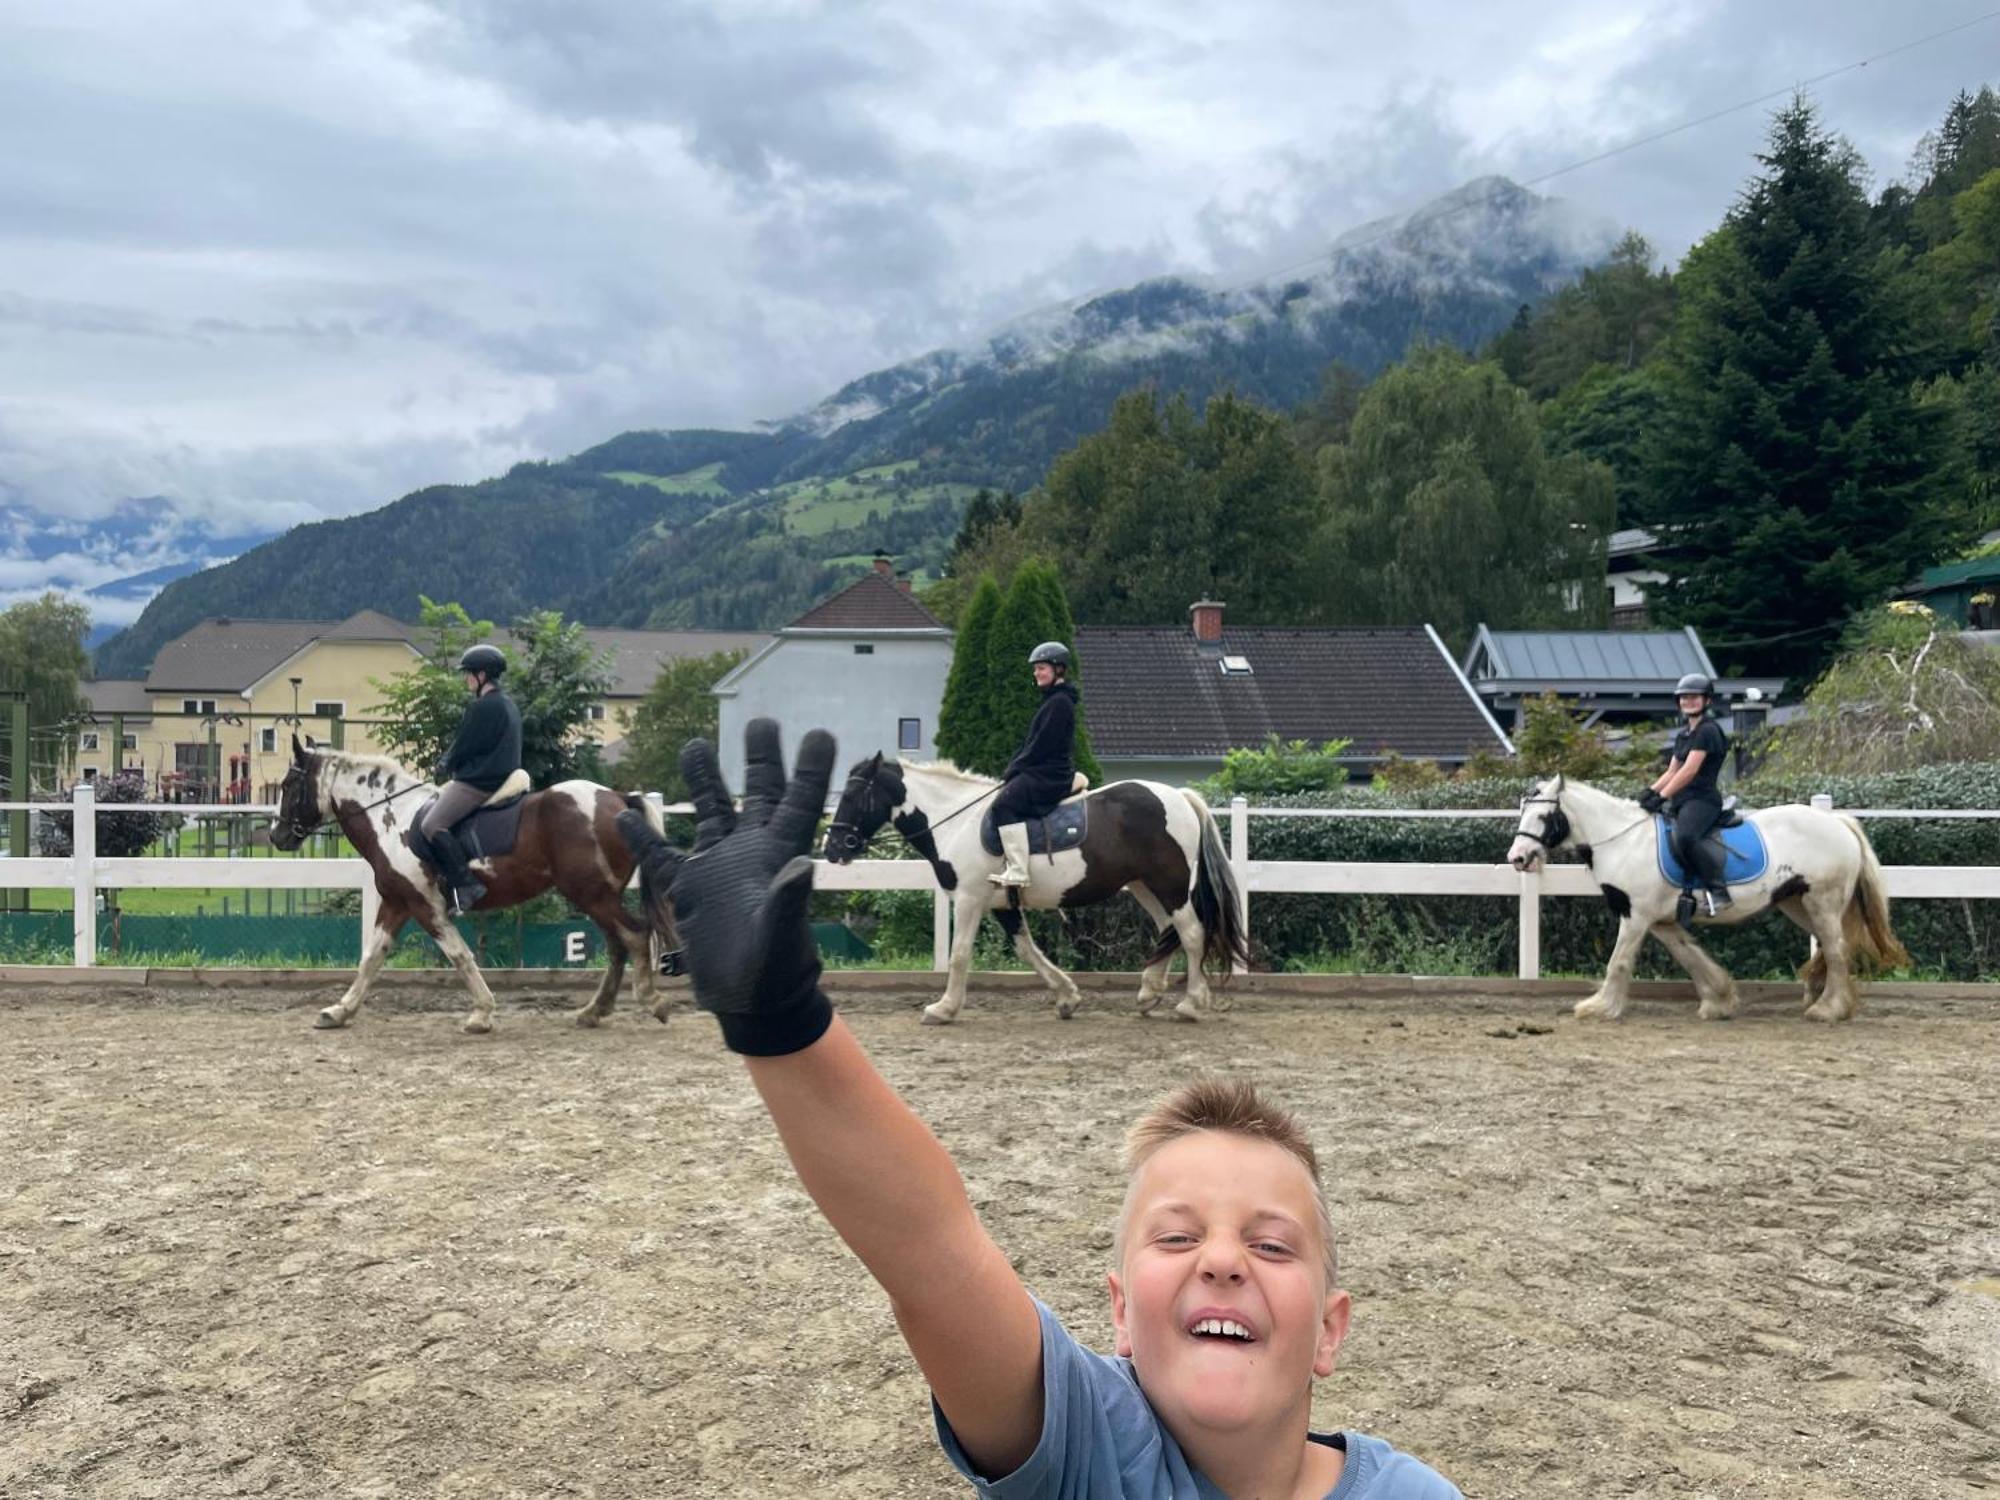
868 664
1169 703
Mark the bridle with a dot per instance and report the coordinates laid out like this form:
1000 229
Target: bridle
914 826
1555 829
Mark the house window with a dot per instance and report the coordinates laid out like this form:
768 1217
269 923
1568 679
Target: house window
267 739
329 708
129 742
90 740
1235 666
90 773
197 705
909 734
597 713
864 648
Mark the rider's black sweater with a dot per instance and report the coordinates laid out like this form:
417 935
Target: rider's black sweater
1049 751
488 748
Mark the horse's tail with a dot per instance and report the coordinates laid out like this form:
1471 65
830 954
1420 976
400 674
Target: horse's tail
1866 919
1217 904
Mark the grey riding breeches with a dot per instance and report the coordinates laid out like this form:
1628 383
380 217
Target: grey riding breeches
459 800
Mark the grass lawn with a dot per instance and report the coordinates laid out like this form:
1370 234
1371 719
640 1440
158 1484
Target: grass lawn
702 481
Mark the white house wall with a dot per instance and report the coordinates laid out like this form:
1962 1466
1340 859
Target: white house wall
821 682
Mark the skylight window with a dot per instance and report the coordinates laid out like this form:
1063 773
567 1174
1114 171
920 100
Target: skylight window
1235 666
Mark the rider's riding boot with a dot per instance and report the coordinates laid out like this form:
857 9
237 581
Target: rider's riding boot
1716 898
1014 845
462 891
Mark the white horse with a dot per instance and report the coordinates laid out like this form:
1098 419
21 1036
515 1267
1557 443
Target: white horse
1820 871
564 836
1156 841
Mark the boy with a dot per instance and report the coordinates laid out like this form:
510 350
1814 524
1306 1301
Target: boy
1224 1298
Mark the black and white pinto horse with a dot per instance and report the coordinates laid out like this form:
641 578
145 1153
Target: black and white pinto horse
1158 842
1819 870
564 836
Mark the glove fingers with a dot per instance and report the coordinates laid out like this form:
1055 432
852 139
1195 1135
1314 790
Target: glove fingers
763 771
788 903
714 817
793 824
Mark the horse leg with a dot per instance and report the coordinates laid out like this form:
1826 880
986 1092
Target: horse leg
1609 1001
445 933
1814 970
1153 979
1015 925
1711 980
1836 1001
967 908
602 1003
1196 1002
381 938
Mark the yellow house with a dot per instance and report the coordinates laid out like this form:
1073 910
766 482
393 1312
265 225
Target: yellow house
217 704
211 721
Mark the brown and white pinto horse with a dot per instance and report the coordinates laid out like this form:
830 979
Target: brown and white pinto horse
568 839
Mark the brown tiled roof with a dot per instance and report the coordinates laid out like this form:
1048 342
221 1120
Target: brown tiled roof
638 655
228 655
870 603
1155 691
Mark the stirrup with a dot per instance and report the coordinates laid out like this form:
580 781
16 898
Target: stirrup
1718 899
456 897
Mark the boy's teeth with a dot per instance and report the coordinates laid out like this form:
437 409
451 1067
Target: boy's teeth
1223 1326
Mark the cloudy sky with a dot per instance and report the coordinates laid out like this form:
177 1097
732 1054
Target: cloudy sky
279 259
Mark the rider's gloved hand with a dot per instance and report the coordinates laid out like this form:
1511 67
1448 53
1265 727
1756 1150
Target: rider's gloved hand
740 899
1651 800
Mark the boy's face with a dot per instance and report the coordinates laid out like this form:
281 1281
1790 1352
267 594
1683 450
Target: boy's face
1223 1228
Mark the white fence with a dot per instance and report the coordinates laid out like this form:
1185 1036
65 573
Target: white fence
84 872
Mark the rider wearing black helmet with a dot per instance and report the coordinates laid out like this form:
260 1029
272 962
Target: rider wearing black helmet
1690 781
1041 774
486 752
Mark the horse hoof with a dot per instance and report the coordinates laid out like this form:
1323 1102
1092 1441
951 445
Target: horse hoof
1590 1009
477 1025
935 1017
1148 1003
661 1011
587 1017
1065 1009
329 1020
1187 1010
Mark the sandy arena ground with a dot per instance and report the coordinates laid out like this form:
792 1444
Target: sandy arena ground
241 1257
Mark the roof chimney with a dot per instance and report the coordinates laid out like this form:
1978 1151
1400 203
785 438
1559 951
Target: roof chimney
903 582
1207 615
884 566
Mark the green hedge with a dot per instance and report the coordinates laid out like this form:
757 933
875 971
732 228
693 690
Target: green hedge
1947 939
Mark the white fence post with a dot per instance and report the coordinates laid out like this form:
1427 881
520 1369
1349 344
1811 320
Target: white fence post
83 885
1239 860
940 931
1530 964
1822 801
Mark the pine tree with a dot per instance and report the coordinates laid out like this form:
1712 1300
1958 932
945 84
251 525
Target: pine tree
1794 471
1023 623
962 718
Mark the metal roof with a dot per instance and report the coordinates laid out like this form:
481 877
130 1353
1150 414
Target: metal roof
1581 658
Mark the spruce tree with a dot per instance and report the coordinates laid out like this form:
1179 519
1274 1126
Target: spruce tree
961 727
1794 475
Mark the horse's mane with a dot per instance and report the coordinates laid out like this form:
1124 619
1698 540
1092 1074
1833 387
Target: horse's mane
353 760
946 768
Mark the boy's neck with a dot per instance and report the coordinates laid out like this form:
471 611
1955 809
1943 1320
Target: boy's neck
1280 1464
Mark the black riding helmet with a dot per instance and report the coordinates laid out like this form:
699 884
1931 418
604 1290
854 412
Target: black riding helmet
1695 682
1055 653
485 661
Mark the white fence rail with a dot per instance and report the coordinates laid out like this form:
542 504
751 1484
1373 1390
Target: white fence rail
85 872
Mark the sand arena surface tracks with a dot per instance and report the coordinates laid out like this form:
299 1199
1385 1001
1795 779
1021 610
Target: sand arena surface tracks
240 1257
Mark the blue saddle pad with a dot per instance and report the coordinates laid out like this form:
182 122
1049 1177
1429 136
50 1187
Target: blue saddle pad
1744 845
1062 829
487 834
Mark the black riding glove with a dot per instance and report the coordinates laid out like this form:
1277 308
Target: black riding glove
1651 800
741 898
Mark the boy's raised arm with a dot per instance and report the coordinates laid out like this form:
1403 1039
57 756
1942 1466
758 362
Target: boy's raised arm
885 1184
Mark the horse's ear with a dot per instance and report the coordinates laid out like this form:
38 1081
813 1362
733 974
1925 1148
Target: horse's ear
875 764
298 750
1557 784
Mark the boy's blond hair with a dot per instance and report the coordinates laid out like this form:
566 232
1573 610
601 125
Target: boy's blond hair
1235 1108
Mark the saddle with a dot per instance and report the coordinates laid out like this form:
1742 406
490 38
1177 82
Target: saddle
1061 828
1745 856
488 833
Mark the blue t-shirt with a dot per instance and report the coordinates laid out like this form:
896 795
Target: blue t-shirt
1101 1441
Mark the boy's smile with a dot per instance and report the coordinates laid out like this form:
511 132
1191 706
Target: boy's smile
1221 1301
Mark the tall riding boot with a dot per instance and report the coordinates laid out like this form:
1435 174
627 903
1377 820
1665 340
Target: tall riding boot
462 889
1713 862
1013 845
